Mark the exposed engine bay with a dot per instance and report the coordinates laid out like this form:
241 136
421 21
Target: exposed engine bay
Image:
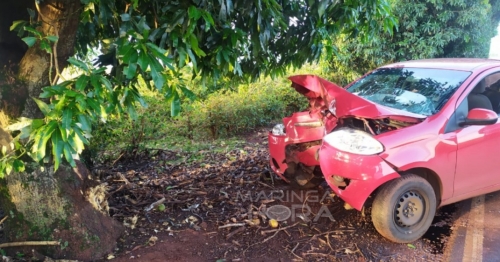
372 126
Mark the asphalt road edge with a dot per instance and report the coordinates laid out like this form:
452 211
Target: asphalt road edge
455 247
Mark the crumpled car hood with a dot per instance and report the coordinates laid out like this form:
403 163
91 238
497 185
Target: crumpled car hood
322 94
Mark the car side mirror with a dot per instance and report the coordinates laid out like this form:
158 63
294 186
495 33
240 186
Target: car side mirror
480 117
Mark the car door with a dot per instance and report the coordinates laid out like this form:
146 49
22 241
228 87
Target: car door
478 150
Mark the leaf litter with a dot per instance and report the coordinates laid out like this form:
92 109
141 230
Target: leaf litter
216 209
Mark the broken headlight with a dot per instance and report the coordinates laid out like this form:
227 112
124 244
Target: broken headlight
279 130
354 141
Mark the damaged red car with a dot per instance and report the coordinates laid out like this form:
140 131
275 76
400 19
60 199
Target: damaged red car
412 135
294 145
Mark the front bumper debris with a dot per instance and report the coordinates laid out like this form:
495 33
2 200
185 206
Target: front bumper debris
302 139
353 177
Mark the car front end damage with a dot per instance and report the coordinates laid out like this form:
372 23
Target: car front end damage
293 150
350 158
294 144
354 177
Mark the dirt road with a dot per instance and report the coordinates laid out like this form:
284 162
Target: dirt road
219 210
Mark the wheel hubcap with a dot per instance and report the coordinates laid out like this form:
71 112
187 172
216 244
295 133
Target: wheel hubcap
409 209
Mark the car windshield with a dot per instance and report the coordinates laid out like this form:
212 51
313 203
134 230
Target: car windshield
417 90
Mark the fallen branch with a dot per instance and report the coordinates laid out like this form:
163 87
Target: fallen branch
148 208
265 240
296 246
276 232
3 220
264 184
119 189
293 250
230 235
133 249
233 225
123 179
359 251
30 243
333 231
116 160
319 254
279 229
328 242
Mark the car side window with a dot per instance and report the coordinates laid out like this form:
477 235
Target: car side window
459 114
492 83
477 97
486 94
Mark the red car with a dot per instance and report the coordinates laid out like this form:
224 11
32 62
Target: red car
415 135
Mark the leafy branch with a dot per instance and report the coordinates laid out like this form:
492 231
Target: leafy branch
48 43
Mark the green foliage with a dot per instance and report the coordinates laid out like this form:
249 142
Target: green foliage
427 29
64 244
151 42
495 8
237 38
218 115
226 113
33 35
230 113
221 114
12 150
75 107
11 158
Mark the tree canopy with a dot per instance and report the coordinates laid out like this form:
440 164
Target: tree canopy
146 42
150 41
427 29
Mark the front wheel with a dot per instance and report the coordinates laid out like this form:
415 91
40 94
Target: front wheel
404 208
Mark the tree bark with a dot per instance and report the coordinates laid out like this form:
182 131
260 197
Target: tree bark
45 205
42 204
58 18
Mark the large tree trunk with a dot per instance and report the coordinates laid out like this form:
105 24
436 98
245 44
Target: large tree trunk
42 204
45 205
59 18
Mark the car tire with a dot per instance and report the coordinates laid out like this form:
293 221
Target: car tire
404 208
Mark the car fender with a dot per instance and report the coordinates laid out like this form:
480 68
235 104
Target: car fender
439 157
362 174
374 184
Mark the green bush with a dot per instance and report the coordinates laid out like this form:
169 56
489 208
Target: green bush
219 113
228 113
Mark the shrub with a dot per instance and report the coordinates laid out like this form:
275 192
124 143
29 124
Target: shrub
219 112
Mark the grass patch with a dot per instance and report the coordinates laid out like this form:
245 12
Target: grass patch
214 122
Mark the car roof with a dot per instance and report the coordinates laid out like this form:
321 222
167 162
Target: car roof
464 64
